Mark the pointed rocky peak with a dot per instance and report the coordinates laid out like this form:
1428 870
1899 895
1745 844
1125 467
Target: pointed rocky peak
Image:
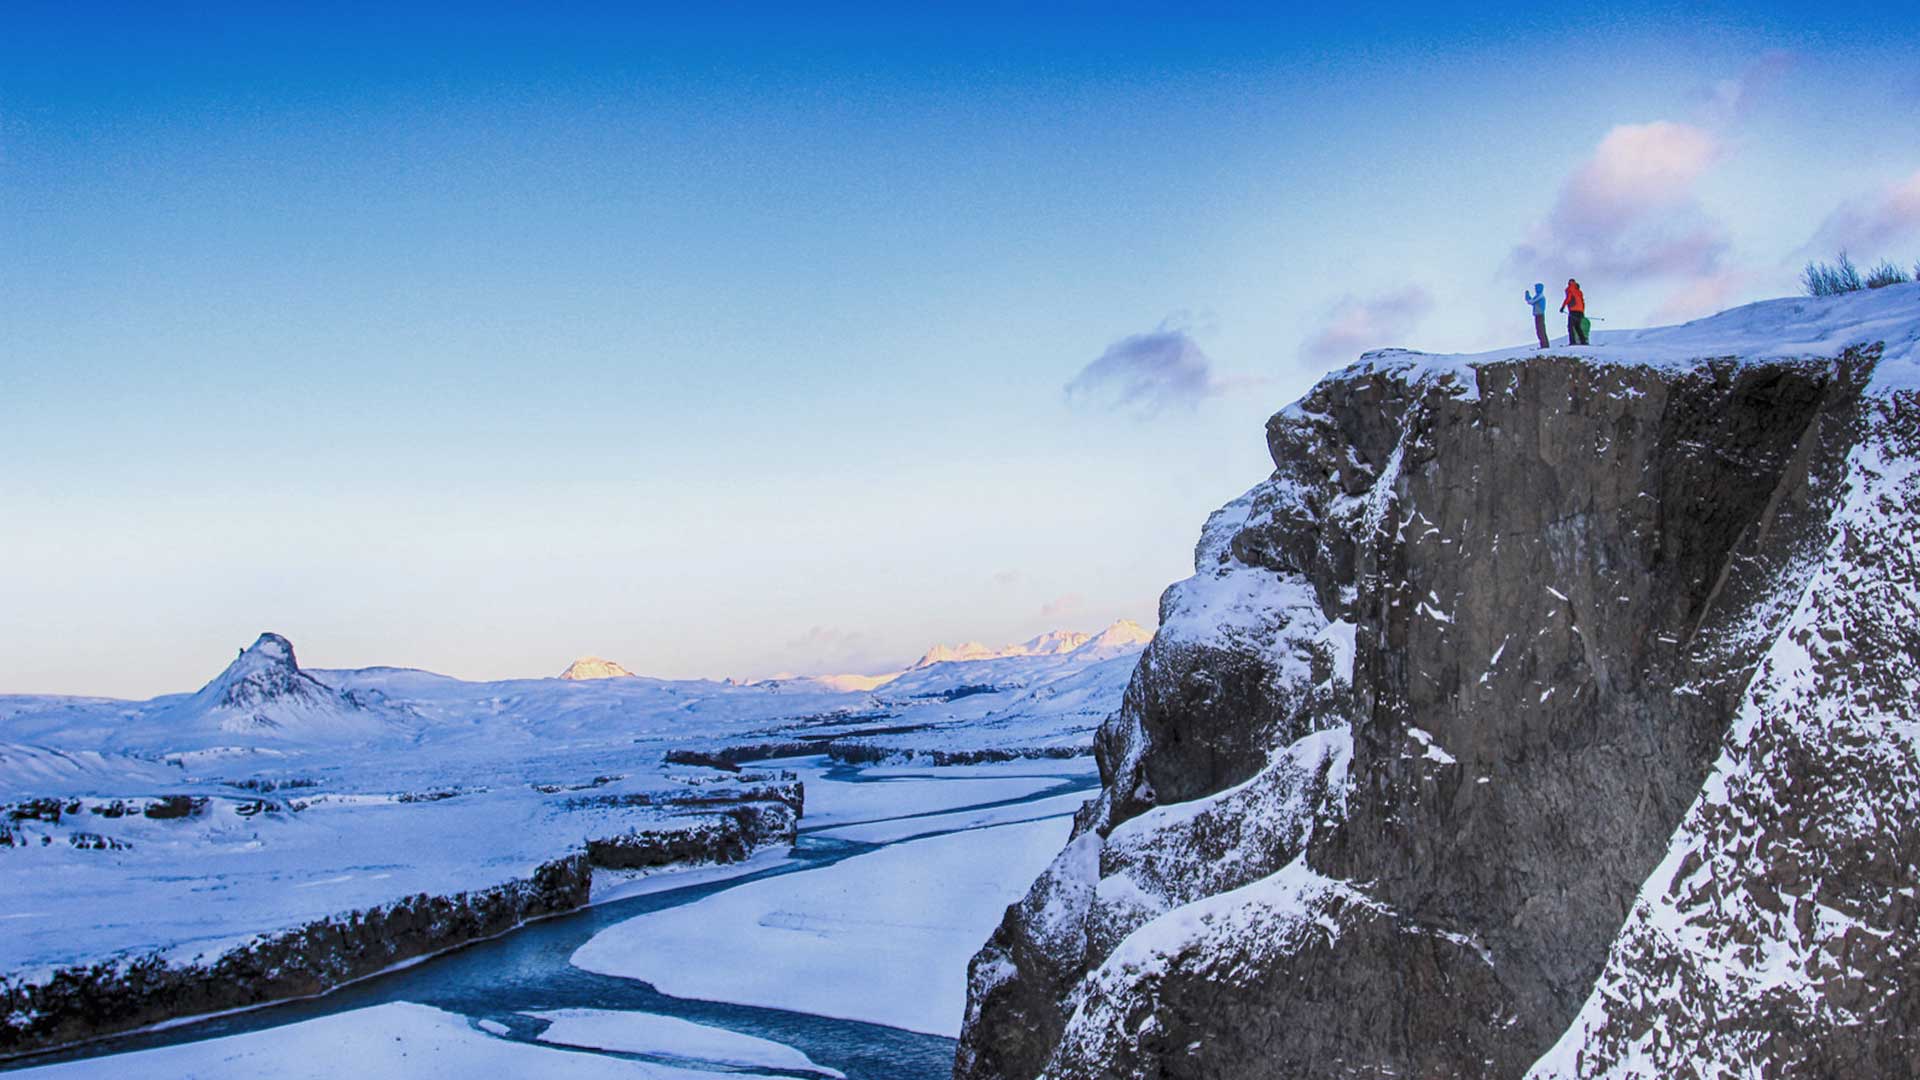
594 667
264 673
264 692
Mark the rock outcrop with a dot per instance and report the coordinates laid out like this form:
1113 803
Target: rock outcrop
1540 715
716 824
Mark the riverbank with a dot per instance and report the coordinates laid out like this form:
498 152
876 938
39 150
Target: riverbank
499 983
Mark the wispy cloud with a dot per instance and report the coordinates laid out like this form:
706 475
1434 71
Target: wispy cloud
1357 324
1728 102
1870 224
1630 210
836 650
1147 373
1062 606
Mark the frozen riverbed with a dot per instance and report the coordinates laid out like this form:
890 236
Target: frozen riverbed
916 861
882 937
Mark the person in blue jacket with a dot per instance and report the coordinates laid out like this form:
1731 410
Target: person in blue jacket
1538 298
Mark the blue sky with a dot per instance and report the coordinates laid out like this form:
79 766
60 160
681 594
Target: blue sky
734 345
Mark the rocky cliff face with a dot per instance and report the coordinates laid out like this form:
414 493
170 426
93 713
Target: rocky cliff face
1539 715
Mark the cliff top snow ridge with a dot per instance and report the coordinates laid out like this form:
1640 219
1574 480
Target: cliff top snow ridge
1791 328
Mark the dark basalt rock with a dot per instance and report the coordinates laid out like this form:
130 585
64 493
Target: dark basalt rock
1561 581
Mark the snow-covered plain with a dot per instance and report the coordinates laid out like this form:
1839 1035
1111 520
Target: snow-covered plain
191 824
832 802
393 1042
908 828
670 1036
882 937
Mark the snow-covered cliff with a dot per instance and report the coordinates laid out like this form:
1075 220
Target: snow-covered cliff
1546 715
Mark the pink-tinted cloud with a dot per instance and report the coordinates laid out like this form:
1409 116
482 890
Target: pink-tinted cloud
1356 325
1062 606
1869 225
1629 210
1701 296
835 649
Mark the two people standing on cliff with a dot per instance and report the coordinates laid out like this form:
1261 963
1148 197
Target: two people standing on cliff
1575 305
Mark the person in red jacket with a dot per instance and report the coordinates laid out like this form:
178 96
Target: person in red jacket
1575 305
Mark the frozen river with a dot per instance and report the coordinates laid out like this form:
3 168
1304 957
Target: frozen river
846 956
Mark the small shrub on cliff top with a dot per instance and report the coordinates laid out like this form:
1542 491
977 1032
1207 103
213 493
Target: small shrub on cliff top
1822 279
1886 274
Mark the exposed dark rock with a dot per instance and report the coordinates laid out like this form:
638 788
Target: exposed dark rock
47 810
83 1003
709 838
175 806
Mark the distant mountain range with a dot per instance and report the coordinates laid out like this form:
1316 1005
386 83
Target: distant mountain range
1118 637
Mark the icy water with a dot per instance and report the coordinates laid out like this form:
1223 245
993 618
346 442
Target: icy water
529 970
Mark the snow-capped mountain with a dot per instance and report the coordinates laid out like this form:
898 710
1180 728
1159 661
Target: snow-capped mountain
1120 638
594 667
966 650
1051 643
263 692
1120 634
